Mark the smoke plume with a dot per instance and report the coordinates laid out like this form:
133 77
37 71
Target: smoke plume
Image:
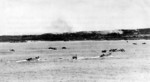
61 26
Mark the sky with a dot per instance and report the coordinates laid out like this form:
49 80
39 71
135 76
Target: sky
19 17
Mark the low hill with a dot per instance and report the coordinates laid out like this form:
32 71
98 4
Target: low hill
122 34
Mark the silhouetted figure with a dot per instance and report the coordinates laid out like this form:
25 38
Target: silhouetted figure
29 59
102 55
134 43
52 48
104 51
74 57
144 43
37 57
12 50
112 50
122 50
108 54
64 48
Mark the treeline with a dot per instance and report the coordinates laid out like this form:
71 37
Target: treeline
83 35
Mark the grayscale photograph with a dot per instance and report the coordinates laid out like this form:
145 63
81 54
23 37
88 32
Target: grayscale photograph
74 40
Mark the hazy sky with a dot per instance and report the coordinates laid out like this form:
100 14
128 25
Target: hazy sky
43 16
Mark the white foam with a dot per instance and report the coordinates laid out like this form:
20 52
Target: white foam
81 58
21 61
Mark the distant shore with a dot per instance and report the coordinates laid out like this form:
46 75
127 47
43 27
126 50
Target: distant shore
134 34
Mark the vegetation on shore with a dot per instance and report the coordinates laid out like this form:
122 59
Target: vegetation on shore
128 34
